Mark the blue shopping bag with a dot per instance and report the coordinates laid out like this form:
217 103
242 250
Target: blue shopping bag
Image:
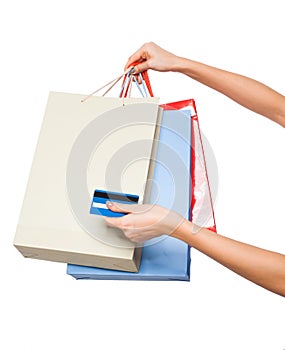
164 258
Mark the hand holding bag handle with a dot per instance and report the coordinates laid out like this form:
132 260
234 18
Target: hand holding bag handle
128 80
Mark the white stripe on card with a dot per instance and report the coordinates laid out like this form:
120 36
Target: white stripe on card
99 205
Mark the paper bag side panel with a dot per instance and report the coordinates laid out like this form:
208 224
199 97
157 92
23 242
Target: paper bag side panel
122 264
47 225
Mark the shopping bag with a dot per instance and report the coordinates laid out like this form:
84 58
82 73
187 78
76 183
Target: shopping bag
169 259
164 258
202 210
84 148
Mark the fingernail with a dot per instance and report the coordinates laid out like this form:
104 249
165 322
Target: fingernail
109 204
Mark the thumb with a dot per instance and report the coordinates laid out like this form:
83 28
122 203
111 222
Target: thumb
120 207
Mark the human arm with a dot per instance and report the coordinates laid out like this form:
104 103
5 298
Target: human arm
263 267
245 91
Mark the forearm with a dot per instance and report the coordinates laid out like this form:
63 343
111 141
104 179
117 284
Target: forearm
260 266
245 91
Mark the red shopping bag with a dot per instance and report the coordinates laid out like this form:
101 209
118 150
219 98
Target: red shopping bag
202 210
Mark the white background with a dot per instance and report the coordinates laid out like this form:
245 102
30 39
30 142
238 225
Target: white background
77 46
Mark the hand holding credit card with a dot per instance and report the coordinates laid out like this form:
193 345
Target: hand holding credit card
100 197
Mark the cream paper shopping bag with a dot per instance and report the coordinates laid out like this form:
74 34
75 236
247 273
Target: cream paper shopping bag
104 143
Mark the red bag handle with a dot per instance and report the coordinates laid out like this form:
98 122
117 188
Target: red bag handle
147 82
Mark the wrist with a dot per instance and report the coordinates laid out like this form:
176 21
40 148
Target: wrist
191 68
181 64
183 230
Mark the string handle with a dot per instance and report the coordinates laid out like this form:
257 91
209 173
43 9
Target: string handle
128 78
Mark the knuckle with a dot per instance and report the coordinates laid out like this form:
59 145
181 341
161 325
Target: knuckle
130 234
127 234
125 224
146 46
118 223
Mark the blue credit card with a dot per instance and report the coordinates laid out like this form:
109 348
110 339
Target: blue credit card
100 197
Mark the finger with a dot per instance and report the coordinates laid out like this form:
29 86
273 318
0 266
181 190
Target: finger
135 57
120 207
141 67
136 238
128 208
139 79
113 222
130 70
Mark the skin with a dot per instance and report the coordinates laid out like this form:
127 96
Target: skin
143 222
